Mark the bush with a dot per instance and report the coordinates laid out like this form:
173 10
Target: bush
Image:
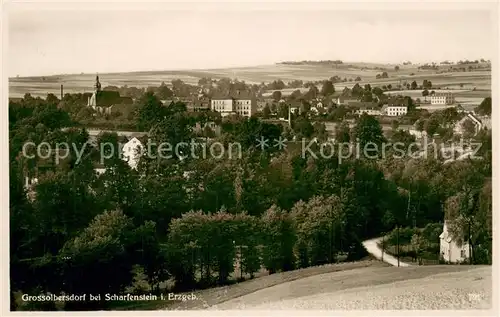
405 235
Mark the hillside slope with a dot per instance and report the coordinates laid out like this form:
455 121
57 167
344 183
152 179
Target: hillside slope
424 287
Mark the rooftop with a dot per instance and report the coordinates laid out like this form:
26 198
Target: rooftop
234 95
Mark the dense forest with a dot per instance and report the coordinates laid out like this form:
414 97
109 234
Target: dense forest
189 220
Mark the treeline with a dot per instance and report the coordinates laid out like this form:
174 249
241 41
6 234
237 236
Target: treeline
322 62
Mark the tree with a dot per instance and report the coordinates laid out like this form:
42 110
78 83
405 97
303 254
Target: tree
396 68
414 85
420 125
303 128
318 221
402 136
277 95
485 107
368 130
427 84
395 125
357 79
266 112
52 100
431 126
357 90
150 112
469 129
102 247
377 91
367 96
327 88
425 93
320 131
163 92
295 95
342 132
279 240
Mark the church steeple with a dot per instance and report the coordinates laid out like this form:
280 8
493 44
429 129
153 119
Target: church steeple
97 85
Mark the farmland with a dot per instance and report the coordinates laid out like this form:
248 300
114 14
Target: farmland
74 83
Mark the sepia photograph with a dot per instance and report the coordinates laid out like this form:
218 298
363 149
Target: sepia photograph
253 156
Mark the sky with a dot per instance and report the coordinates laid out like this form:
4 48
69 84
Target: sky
66 42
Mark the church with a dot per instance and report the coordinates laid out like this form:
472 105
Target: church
104 101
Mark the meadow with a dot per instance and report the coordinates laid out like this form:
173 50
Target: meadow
80 83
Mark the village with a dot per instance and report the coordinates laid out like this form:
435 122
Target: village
261 159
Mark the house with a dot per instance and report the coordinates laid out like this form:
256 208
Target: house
345 100
416 133
295 109
397 101
394 111
451 251
29 187
262 103
167 102
99 169
395 106
442 99
314 110
485 122
458 128
371 112
132 151
369 108
241 103
196 104
104 101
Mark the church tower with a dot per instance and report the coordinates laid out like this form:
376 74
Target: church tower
92 101
97 85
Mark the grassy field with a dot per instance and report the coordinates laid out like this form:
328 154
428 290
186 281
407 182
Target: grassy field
213 296
74 83
414 287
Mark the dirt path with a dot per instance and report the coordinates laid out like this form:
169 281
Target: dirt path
372 247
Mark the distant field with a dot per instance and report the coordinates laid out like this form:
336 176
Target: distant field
41 86
462 96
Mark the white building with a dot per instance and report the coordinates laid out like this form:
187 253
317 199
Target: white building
371 112
442 99
417 134
395 111
241 104
458 128
224 106
131 152
450 250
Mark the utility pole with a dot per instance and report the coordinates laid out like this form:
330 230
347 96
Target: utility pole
383 236
290 115
470 246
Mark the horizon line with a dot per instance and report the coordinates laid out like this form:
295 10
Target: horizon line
229 67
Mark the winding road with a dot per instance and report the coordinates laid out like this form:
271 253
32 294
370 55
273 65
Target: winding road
372 247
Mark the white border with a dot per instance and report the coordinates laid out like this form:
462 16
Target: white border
228 6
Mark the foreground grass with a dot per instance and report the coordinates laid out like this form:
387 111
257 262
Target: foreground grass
213 296
430 287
